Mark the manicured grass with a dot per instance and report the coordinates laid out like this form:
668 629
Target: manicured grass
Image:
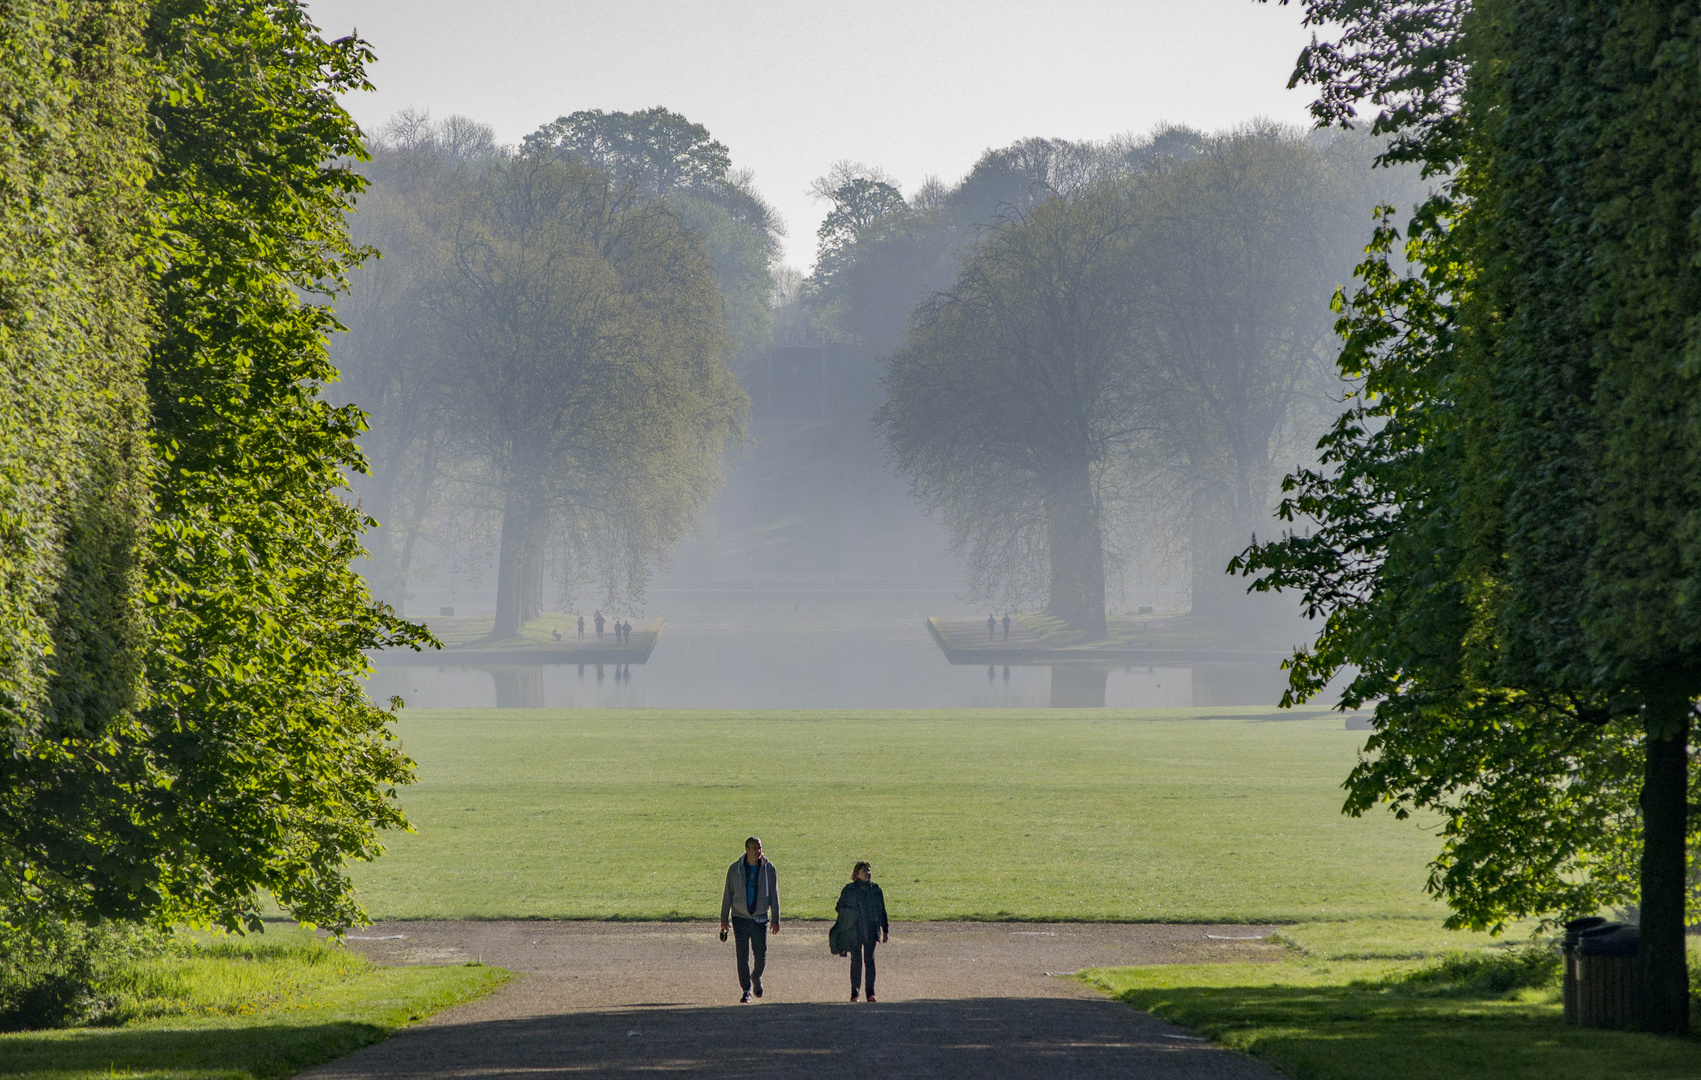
244 1009
1454 1010
1126 631
473 632
1176 815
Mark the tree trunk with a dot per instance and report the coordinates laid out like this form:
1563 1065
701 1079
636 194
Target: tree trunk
1211 587
1661 964
1076 547
519 568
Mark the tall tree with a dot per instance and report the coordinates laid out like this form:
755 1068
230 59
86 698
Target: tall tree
587 383
74 459
1247 238
254 765
655 150
879 256
1504 547
268 766
391 358
1015 392
663 156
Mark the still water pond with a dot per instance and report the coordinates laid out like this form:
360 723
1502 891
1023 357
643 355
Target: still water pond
826 654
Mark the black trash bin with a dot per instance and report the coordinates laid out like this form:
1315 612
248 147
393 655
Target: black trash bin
1606 976
1574 933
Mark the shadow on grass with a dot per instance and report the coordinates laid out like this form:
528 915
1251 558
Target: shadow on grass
1374 1032
258 1051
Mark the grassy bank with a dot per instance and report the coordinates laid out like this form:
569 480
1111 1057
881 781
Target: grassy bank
1179 815
1129 631
242 1009
1389 1001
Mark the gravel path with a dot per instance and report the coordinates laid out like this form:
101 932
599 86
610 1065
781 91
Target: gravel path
978 1000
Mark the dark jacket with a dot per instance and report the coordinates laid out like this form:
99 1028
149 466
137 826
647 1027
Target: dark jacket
866 905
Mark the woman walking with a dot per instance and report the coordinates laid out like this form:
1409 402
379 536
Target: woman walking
863 907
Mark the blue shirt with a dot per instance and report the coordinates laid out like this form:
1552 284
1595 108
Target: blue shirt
750 880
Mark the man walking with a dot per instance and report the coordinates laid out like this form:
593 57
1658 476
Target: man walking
1006 626
991 627
752 898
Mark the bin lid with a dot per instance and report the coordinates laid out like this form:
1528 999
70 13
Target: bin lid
1576 928
1613 939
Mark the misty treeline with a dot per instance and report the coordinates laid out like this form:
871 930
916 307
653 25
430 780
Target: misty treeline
544 346
1102 354
1099 355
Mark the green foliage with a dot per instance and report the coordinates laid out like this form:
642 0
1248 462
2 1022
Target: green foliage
1406 57
858 205
62 974
656 150
265 764
586 381
1016 391
387 356
1156 315
74 463
1508 507
255 761
194 1007
1535 967
546 342
1455 562
740 258
661 155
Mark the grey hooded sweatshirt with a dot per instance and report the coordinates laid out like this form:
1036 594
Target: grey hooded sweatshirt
767 892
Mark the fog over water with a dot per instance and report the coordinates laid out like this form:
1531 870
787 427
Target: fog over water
812 649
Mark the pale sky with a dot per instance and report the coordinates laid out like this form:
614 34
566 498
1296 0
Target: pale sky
790 87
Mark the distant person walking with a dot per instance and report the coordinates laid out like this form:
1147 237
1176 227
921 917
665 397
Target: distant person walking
581 628
991 627
1006 626
752 898
598 619
863 907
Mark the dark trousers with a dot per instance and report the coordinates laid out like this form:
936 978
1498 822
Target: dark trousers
752 936
862 957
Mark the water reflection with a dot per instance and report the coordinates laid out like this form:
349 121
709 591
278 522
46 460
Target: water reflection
815 674
821 653
516 687
1078 686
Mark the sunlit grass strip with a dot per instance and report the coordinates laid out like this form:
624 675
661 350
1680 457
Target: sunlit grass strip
1459 1017
1178 815
244 1009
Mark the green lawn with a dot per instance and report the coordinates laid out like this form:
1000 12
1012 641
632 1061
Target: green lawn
1179 815
244 1009
1128 631
473 632
1342 1008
